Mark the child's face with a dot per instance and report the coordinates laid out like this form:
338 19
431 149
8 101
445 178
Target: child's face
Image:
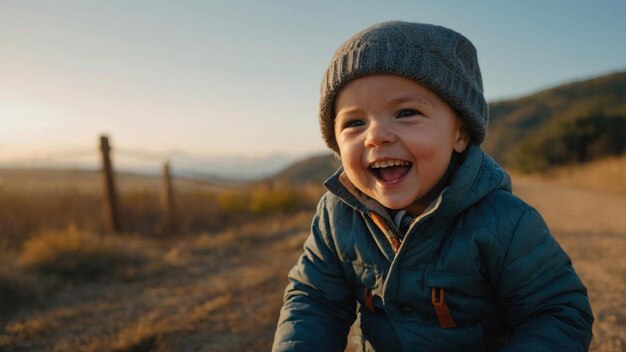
395 137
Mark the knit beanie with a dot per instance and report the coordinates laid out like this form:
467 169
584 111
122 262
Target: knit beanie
434 56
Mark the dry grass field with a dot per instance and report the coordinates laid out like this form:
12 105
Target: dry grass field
222 291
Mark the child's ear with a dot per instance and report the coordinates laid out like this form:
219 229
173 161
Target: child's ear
462 139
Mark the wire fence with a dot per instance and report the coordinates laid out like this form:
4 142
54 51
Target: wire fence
101 160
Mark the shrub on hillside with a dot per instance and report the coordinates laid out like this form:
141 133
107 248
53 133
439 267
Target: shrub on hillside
75 254
265 200
282 199
234 201
569 141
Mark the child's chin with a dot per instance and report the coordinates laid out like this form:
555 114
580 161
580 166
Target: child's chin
394 204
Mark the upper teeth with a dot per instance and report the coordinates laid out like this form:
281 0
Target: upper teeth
387 163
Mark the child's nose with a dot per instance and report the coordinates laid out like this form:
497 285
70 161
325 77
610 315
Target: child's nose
378 134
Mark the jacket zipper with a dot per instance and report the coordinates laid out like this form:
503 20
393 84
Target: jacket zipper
391 236
437 294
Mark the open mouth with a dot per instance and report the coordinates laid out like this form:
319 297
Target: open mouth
390 170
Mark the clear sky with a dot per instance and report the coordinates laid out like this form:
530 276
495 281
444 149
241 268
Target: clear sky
238 77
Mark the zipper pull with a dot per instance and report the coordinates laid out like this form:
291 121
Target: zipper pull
369 299
438 299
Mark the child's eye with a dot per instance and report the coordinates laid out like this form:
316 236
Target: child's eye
407 113
353 123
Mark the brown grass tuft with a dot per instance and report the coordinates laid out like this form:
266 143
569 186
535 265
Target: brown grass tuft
75 254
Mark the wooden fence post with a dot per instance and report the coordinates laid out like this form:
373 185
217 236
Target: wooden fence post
167 201
110 195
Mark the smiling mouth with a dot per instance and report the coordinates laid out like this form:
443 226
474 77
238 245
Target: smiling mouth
390 170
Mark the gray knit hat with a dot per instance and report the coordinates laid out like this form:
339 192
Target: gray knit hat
436 57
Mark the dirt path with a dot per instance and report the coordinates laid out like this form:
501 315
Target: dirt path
218 292
591 226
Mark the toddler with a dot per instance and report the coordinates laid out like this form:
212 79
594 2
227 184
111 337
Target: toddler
419 238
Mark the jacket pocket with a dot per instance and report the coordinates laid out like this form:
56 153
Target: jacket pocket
468 298
367 281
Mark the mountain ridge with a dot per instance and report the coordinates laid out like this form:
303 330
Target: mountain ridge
513 120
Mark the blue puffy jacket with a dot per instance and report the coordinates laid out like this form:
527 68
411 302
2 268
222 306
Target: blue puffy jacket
477 271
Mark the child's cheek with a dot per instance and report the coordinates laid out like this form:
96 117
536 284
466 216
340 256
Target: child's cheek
430 149
353 171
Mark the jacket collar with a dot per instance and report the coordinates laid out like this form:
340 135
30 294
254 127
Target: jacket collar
477 176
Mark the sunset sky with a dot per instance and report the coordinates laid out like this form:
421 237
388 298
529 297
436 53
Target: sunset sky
236 77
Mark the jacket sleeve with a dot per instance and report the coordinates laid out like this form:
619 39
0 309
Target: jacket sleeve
543 299
319 305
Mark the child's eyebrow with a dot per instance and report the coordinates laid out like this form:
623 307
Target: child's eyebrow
348 110
410 98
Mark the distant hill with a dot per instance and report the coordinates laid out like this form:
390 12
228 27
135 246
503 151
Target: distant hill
514 122
313 169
